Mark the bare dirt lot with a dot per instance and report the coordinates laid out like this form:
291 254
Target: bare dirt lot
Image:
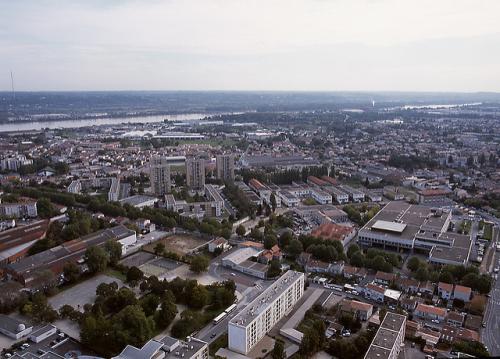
178 243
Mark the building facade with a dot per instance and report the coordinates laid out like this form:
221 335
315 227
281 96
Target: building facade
248 327
160 175
225 167
195 174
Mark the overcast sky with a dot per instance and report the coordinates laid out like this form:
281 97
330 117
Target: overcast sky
420 45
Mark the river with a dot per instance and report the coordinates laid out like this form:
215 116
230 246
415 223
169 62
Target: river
38 125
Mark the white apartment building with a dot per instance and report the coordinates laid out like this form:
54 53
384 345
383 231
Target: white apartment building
250 325
321 196
355 194
339 196
389 339
289 199
18 210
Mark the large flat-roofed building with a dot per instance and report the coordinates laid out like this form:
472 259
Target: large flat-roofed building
240 260
403 226
16 242
167 348
27 269
250 325
388 341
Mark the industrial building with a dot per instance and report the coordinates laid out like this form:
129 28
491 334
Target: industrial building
388 341
28 269
249 326
16 242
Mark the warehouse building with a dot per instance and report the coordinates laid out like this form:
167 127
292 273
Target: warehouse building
250 325
28 269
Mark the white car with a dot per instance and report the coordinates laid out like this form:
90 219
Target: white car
435 321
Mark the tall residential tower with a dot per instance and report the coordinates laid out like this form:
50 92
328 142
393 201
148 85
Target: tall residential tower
160 175
225 167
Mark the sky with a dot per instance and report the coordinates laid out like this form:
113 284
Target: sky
300 45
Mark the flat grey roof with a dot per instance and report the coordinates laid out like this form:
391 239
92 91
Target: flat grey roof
389 226
375 352
263 300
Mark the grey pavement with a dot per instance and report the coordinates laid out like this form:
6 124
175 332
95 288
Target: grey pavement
82 293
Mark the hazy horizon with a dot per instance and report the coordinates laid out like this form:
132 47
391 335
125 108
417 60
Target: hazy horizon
258 46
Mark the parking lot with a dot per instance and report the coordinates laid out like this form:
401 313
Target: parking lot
82 293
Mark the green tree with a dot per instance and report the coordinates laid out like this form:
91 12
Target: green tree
274 269
357 259
166 314
44 208
422 274
149 304
279 350
273 201
270 241
295 248
96 258
159 248
413 264
134 274
114 250
132 327
240 230
353 248
446 277
198 297
71 272
199 264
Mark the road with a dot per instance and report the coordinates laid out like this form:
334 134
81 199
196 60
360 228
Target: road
490 335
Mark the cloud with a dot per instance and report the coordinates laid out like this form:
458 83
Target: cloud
251 44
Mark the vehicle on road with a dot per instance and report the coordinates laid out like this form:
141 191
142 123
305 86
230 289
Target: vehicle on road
230 308
219 318
435 321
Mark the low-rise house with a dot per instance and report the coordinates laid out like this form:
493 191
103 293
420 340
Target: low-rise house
411 328
384 278
455 319
269 254
408 285
445 290
409 303
360 310
426 288
462 293
375 292
430 312
218 244
354 272
335 232
452 334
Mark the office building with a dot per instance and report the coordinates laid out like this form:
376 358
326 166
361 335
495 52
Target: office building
389 340
250 325
160 175
195 174
225 167
403 227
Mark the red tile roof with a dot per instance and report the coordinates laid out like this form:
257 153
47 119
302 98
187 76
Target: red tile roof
332 231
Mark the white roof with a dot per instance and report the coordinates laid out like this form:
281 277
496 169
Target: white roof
389 226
